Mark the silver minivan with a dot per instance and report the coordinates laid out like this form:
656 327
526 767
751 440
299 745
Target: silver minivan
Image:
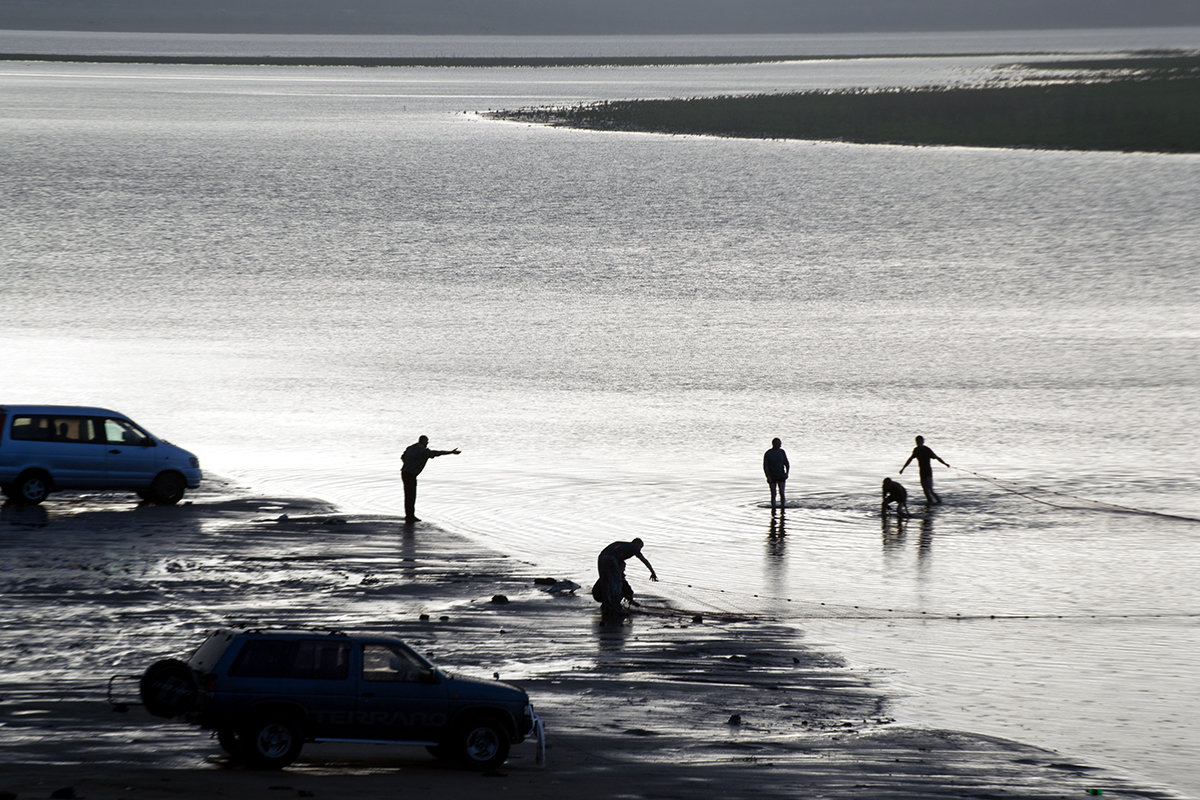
46 449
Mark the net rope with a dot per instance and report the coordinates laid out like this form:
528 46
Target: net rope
1077 503
736 601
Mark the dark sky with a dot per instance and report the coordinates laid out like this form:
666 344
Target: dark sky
579 17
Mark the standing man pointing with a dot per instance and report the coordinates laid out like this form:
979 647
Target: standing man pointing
415 456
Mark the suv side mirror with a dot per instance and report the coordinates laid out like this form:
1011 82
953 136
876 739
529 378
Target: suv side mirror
429 676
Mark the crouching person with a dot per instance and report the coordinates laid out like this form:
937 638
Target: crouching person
893 492
610 588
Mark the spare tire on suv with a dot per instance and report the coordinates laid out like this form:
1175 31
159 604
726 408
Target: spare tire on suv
169 688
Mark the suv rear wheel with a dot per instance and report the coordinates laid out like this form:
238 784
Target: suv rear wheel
483 743
271 742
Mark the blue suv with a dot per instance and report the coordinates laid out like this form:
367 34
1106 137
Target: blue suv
266 692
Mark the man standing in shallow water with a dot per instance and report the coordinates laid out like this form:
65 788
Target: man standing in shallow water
415 457
776 468
925 458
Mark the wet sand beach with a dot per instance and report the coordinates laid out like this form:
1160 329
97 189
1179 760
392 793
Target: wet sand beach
673 703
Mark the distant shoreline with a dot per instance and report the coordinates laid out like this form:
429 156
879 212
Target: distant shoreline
408 61
474 61
1142 104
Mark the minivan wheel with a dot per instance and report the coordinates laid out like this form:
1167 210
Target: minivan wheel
483 744
167 489
271 742
31 487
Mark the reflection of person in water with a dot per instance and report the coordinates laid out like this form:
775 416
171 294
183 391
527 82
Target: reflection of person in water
611 565
893 492
776 468
925 458
415 457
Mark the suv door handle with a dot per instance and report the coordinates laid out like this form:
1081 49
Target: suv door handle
114 452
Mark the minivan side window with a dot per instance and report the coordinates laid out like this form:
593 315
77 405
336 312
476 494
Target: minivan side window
30 429
44 428
119 431
74 429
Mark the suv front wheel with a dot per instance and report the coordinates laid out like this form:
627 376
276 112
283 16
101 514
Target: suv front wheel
271 742
483 743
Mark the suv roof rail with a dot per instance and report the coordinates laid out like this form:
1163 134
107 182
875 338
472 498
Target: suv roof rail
256 627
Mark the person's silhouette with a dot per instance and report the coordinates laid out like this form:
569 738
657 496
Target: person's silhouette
893 492
611 587
415 457
925 458
776 468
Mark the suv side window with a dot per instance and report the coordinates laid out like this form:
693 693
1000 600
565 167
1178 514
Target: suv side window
263 658
384 663
306 659
322 660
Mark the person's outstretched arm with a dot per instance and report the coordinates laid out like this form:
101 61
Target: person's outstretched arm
906 463
642 558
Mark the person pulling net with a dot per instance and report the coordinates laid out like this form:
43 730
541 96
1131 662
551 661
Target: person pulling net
611 590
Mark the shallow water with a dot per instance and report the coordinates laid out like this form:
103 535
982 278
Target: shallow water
294 272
